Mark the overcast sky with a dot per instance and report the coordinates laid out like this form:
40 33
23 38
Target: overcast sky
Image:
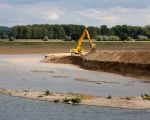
86 12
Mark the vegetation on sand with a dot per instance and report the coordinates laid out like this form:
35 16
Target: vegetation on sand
145 96
47 92
109 97
76 100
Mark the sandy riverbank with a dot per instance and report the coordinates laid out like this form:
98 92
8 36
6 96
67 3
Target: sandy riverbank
117 102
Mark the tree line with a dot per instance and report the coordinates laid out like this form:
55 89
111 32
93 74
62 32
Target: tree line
73 32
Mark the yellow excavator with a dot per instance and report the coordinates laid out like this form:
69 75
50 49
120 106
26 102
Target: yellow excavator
79 49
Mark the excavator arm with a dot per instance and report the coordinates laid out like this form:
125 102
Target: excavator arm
78 49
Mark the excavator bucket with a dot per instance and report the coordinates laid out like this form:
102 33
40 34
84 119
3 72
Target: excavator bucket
93 46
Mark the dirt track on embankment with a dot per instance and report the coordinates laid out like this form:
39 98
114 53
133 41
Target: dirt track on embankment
125 62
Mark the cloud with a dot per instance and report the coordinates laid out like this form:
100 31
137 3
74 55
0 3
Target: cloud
99 15
53 15
118 15
87 12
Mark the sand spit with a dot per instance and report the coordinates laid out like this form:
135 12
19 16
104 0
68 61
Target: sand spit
117 102
125 62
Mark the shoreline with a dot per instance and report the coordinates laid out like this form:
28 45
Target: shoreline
132 102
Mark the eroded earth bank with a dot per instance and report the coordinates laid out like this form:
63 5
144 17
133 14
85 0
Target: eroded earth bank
125 62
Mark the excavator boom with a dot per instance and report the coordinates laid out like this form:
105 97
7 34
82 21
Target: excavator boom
78 49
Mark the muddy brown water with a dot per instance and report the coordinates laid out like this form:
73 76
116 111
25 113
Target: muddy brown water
20 72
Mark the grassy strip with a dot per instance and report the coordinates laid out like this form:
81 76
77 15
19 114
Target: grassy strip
64 44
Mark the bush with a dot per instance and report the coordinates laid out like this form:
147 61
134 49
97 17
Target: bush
113 38
46 38
66 100
130 39
142 38
76 100
107 38
5 36
99 38
56 101
47 92
73 100
146 95
68 38
109 97
11 39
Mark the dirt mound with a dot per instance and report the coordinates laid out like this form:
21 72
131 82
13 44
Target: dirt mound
132 63
142 57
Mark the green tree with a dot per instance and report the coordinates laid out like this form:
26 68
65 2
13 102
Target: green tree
37 32
124 36
59 32
75 36
15 31
92 32
28 32
105 30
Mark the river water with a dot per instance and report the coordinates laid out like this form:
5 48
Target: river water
27 72
12 108
20 72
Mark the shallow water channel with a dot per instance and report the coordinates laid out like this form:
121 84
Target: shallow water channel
27 72
20 72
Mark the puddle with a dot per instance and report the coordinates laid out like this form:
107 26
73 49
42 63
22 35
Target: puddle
96 82
60 76
42 71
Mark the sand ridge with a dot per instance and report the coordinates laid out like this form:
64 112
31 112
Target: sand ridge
134 102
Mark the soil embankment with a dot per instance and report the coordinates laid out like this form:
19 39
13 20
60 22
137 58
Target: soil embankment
70 98
126 62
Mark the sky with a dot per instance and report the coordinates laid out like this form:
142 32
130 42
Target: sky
83 12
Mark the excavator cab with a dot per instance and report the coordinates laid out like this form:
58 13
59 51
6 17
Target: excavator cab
79 49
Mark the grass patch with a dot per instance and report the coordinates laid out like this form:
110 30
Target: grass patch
67 45
145 97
